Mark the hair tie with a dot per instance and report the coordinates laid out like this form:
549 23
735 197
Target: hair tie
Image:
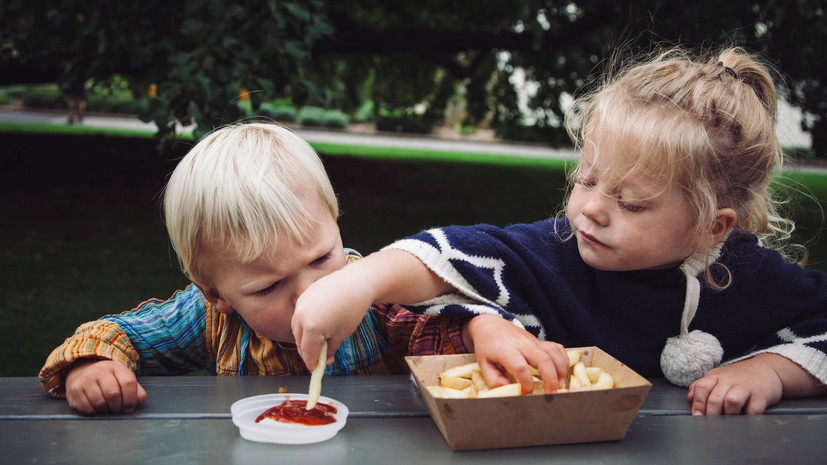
730 72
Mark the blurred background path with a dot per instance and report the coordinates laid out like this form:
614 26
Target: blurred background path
355 135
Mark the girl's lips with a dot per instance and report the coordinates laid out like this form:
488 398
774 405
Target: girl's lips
589 239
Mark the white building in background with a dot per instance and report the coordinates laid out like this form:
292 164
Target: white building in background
789 129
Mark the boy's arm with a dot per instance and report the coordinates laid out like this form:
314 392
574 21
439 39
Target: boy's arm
332 307
751 386
157 337
95 340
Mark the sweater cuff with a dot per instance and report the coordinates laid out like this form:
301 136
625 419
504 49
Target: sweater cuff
810 359
96 339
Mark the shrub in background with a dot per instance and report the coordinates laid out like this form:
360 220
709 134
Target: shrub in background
43 97
311 116
284 112
335 119
363 114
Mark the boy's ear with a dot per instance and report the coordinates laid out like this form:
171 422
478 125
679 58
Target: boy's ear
214 297
724 222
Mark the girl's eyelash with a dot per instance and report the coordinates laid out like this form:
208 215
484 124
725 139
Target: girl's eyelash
629 207
587 183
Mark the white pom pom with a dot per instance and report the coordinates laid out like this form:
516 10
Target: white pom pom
688 357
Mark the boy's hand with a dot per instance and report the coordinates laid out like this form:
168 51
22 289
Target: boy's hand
501 348
103 386
749 386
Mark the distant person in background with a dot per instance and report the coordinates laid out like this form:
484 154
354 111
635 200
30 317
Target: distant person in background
76 96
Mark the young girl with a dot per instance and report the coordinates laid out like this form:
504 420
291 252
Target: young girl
661 259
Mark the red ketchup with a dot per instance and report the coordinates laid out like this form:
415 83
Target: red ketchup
295 411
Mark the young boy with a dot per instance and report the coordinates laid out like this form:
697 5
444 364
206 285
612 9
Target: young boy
252 216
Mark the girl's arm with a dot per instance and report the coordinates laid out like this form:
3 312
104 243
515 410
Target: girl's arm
332 307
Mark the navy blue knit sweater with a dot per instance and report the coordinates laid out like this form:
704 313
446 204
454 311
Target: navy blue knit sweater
527 273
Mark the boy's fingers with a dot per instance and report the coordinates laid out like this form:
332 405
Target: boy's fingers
129 389
111 392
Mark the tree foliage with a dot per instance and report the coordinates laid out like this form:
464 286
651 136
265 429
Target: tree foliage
402 55
199 53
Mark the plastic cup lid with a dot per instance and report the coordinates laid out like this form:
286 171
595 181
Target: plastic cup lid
245 412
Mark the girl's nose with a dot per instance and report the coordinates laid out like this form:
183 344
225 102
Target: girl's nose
595 209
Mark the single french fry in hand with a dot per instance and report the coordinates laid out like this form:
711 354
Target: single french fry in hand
315 389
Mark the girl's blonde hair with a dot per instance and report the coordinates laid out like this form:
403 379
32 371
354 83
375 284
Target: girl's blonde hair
704 125
242 188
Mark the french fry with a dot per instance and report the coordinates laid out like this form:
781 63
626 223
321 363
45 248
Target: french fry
476 378
593 373
315 389
579 372
455 382
503 391
461 371
439 391
605 381
574 356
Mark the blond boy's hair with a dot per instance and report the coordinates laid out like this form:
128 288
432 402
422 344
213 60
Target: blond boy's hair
242 188
702 124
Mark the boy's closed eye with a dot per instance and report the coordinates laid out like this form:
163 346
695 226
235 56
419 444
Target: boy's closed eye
318 261
322 259
268 289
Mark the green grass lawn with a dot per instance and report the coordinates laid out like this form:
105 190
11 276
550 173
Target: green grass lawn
82 235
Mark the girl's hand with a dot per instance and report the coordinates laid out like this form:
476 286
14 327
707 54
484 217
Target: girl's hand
103 386
329 309
751 386
502 348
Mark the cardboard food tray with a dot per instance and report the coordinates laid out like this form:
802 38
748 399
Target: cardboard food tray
536 419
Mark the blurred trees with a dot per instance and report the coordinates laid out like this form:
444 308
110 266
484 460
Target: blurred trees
407 58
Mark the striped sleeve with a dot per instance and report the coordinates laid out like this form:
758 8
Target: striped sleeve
168 335
157 337
96 339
